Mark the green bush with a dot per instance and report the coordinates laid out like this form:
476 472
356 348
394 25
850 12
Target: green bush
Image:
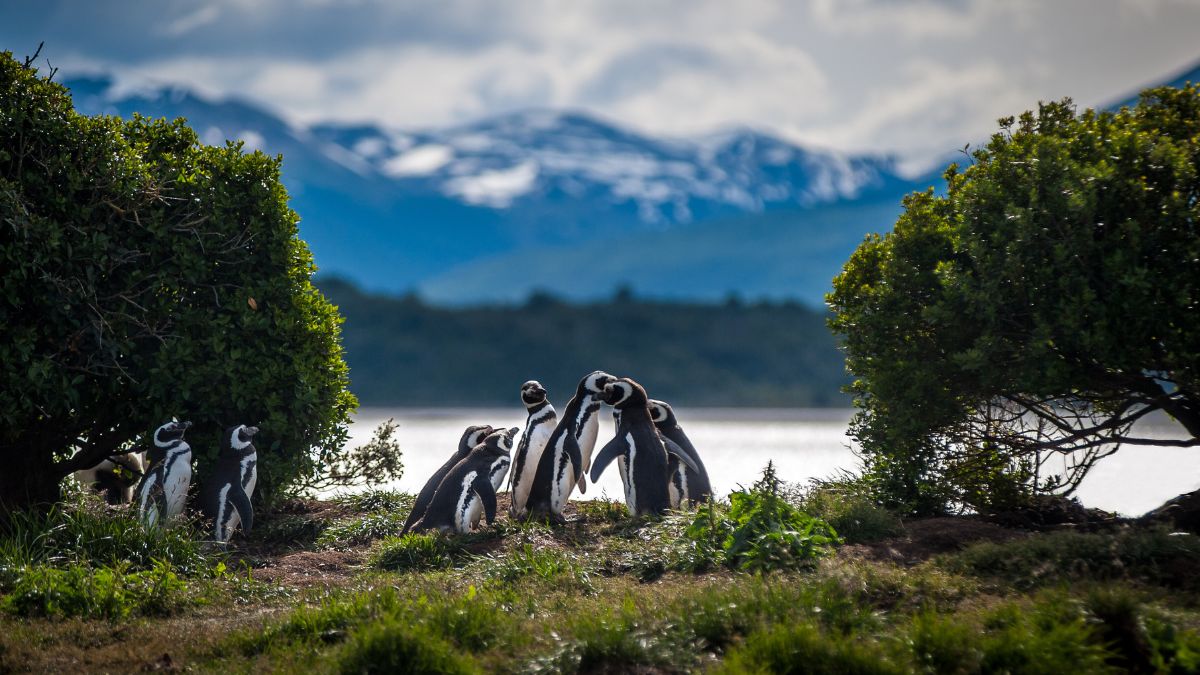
147 276
547 564
377 501
104 592
362 530
760 530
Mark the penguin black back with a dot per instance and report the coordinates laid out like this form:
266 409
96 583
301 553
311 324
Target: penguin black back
226 494
471 437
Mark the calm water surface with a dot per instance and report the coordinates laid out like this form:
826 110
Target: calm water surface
736 444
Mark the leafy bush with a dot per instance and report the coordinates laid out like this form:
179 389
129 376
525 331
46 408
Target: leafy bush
376 461
148 276
547 564
104 592
376 501
760 530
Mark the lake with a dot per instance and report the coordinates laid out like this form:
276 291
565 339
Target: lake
736 443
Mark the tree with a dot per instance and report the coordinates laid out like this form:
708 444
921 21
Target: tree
1006 336
146 276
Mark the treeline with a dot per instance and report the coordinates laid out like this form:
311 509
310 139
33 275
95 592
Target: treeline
403 351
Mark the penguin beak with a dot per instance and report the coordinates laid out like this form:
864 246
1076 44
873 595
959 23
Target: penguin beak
250 431
513 431
185 425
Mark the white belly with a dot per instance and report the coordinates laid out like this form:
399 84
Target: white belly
497 482
467 501
587 439
228 517
523 482
176 488
561 486
630 486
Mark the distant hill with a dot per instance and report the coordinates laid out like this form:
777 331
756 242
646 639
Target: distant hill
550 199
403 351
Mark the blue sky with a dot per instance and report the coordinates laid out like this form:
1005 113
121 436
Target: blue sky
915 78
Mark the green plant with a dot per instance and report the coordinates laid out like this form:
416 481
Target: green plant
416 552
104 592
392 646
802 648
362 530
848 504
376 501
376 461
1036 311
760 530
148 276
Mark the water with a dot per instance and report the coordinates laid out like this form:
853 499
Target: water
737 443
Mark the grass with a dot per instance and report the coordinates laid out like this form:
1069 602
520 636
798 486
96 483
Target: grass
600 594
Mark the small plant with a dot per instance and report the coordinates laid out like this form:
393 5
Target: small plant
846 502
377 501
376 461
416 552
802 648
544 563
761 530
393 646
362 530
106 592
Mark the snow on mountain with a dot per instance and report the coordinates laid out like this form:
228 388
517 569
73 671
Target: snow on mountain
396 210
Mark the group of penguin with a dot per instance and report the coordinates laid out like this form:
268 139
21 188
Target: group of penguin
162 492
660 468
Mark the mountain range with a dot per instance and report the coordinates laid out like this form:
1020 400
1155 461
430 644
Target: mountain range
555 201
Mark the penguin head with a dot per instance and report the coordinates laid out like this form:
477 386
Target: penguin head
532 393
624 394
501 441
661 413
239 438
594 383
473 436
170 432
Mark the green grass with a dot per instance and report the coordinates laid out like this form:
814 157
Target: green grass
105 592
378 501
845 502
346 534
1156 555
415 552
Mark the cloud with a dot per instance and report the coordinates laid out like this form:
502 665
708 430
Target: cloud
910 77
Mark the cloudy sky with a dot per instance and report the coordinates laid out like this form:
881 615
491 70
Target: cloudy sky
917 78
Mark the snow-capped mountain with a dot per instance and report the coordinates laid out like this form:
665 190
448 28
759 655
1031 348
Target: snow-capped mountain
473 212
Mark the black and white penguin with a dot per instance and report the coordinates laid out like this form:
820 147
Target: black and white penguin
162 493
539 425
226 494
643 448
472 437
568 452
115 477
469 483
686 485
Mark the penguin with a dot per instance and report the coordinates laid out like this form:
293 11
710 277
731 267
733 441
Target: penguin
645 453
162 492
225 497
115 477
686 485
539 425
568 452
496 474
622 466
470 481
472 437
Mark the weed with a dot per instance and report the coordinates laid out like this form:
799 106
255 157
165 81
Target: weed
802 648
417 551
378 501
363 530
846 503
391 646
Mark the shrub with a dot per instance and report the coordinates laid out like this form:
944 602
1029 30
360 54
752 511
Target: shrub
760 530
362 530
150 276
375 501
847 503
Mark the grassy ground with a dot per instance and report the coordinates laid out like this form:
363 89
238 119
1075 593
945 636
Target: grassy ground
328 587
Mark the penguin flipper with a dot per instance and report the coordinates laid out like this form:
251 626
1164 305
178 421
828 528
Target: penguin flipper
487 495
241 502
611 450
684 456
575 455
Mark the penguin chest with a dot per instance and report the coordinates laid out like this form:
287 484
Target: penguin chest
564 476
249 473
587 428
629 476
175 486
497 472
228 517
467 500
534 444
